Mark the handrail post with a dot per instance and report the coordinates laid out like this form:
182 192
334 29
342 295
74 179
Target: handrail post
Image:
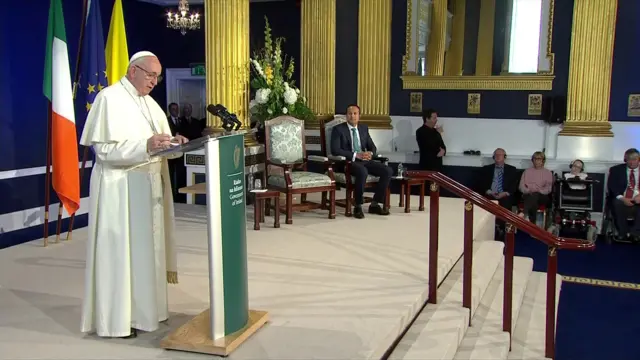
552 270
507 300
434 213
468 256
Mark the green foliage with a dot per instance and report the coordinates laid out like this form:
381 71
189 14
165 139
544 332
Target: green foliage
276 93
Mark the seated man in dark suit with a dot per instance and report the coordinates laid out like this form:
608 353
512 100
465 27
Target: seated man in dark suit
499 181
622 187
352 140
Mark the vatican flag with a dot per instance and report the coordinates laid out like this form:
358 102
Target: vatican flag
117 53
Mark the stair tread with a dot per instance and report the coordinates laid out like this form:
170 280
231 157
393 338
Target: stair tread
439 328
529 334
485 338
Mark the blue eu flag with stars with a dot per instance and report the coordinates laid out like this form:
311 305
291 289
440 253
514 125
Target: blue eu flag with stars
93 75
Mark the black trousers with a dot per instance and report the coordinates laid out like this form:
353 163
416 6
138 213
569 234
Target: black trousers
620 214
532 202
507 203
360 170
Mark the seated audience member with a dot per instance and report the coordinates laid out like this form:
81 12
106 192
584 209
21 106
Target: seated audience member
498 181
536 184
576 173
352 140
622 187
430 143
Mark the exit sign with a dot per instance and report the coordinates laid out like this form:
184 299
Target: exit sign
197 70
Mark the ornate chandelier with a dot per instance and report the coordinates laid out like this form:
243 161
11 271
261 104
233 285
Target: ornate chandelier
182 20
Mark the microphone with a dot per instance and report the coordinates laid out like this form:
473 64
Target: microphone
228 119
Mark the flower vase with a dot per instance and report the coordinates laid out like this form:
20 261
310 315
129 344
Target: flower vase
260 134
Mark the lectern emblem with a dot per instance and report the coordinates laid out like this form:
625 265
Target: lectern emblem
236 157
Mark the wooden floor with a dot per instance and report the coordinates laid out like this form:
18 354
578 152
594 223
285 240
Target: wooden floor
334 289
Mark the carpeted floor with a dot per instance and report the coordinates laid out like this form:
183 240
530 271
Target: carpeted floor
594 322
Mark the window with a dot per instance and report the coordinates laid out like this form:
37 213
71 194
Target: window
524 44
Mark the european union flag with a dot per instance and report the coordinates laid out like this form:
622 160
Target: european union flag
93 74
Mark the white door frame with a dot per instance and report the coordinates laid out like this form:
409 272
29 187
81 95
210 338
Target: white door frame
173 76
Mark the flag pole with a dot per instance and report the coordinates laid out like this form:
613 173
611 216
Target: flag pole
76 79
47 178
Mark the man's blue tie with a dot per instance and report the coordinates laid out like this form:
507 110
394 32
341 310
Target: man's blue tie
356 140
499 180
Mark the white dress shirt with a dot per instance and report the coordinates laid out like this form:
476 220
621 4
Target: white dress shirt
635 188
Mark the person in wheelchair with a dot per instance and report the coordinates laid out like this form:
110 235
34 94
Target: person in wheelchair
536 184
576 175
624 197
573 204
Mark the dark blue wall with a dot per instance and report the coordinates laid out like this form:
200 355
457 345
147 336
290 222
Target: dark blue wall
495 104
626 73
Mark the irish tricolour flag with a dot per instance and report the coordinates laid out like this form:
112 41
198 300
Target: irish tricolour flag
57 88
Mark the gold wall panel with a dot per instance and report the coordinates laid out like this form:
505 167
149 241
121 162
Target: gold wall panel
374 62
437 38
453 60
318 57
590 62
484 52
226 25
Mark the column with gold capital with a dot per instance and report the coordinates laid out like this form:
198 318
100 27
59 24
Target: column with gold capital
227 58
374 62
591 58
318 57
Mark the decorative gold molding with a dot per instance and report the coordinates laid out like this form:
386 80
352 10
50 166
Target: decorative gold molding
226 26
437 38
511 82
550 55
484 51
382 122
374 57
318 54
590 64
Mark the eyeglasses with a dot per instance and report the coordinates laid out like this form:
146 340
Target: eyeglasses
150 75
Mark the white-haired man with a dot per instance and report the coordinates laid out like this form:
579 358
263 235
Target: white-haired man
130 251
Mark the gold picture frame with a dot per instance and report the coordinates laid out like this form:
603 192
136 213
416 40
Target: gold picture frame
633 108
534 105
415 102
473 103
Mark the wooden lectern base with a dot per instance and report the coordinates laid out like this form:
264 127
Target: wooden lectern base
195 335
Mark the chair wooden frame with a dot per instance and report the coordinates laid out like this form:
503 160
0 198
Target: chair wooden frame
349 200
288 207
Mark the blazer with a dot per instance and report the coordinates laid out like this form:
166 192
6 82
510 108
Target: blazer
510 179
341 141
617 183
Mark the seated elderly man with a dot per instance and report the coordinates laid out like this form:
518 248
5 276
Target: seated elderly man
498 181
536 184
576 173
622 187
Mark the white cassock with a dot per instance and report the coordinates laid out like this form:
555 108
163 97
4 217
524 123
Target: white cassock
131 254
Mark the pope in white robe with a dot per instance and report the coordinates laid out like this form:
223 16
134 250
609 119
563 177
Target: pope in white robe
131 253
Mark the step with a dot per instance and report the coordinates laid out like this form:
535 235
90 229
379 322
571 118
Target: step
529 334
484 338
439 328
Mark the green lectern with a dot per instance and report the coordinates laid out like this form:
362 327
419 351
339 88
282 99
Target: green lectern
228 322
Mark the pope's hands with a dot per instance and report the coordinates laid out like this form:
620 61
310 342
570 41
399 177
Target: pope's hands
179 139
158 142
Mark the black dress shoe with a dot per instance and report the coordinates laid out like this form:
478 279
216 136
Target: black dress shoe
357 212
133 335
378 210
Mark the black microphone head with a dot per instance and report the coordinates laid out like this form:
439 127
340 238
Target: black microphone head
213 109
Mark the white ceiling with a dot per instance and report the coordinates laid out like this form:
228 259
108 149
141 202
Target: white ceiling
194 2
